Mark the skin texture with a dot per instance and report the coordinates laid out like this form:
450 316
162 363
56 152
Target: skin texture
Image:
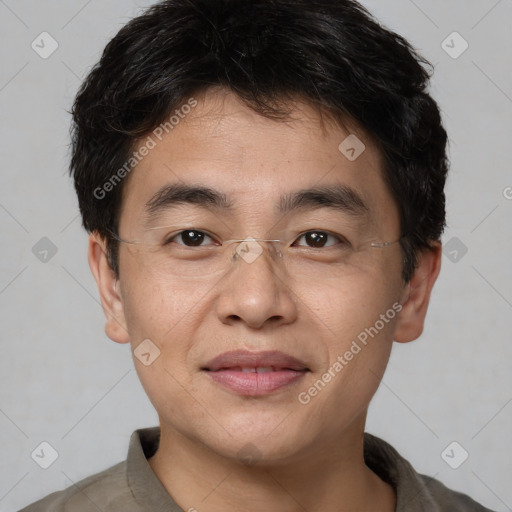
308 457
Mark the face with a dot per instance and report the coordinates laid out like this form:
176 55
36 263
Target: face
333 310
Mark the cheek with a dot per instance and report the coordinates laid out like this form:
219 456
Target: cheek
155 306
358 342
357 319
364 335
347 306
165 313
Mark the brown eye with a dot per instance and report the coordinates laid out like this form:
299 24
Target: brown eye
318 239
189 238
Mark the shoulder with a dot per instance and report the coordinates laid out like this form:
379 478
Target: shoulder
106 491
415 492
450 500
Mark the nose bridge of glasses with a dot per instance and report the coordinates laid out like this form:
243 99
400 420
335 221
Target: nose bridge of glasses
249 249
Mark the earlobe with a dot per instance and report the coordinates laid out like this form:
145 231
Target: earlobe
416 296
108 287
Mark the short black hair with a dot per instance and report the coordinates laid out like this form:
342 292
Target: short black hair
331 53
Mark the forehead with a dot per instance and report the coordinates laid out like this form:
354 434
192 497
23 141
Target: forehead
255 161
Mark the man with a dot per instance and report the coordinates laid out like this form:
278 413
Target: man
263 184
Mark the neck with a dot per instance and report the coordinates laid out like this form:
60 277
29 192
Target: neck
329 477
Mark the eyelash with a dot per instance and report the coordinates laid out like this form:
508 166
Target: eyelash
340 238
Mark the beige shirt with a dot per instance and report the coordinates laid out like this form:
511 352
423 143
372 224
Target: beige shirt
131 485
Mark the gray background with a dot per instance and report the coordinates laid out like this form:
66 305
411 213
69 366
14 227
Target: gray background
65 383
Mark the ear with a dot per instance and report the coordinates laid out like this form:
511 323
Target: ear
108 286
416 295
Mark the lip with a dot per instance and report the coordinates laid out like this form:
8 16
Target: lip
226 370
247 359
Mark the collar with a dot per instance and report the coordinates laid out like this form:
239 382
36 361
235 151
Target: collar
413 494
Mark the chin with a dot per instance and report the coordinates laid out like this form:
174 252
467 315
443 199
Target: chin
261 442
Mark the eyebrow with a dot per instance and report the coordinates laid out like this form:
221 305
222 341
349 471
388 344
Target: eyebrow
178 193
339 197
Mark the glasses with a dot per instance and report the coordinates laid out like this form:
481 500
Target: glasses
195 254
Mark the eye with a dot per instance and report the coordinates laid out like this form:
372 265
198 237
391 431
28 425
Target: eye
319 239
189 238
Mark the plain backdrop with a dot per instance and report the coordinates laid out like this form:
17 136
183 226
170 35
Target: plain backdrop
65 383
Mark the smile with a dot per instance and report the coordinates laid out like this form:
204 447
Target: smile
255 381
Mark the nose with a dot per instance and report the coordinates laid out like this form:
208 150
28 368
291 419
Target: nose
255 292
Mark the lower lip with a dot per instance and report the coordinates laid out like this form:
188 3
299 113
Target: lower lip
253 383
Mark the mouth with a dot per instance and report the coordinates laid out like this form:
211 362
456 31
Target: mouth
255 373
